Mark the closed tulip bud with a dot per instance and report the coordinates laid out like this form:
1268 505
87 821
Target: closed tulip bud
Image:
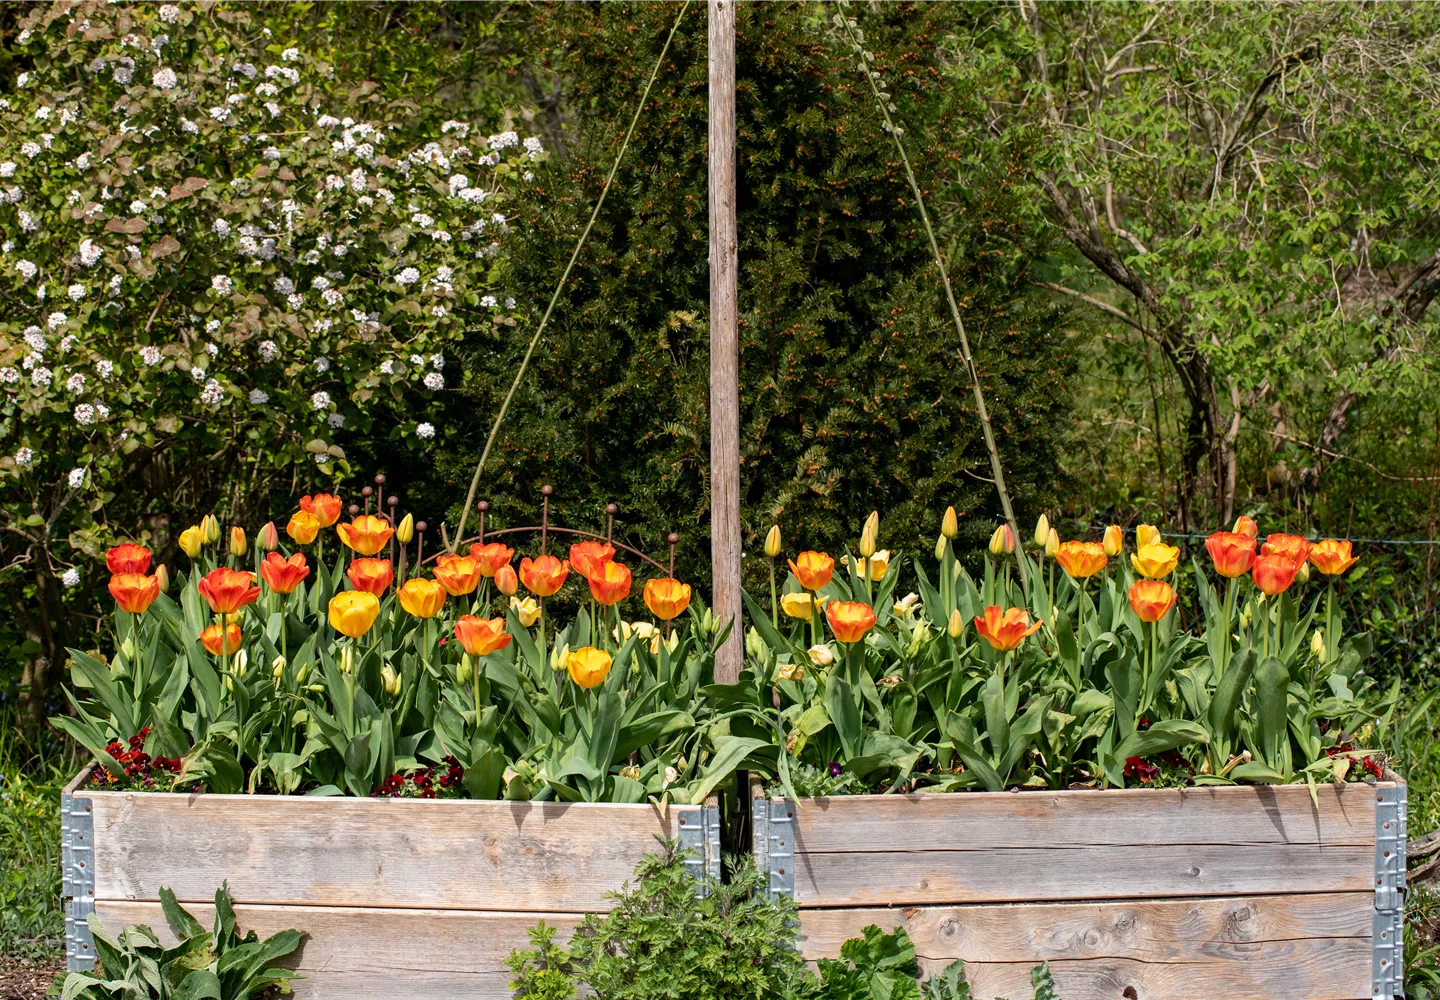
1002 541
772 542
303 674
163 576
1302 575
1052 543
949 524
406 531
268 537
1114 541
238 544
277 669
956 625
1317 645
821 656
940 544
211 527
1042 531
870 534
347 658
191 540
506 581
240 663
465 669
391 680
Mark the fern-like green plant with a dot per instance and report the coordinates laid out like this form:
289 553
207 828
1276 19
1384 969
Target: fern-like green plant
218 964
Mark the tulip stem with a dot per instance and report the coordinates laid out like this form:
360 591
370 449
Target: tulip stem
996 467
774 599
560 285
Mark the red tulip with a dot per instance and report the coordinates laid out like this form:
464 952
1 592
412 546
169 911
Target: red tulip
128 558
1274 572
1232 553
284 575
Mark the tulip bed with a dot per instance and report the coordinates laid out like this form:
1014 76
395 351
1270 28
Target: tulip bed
374 673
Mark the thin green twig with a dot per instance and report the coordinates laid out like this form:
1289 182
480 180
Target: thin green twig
560 285
965 355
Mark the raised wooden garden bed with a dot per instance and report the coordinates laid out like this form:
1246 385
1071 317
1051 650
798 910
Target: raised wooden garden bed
1225 893
400 897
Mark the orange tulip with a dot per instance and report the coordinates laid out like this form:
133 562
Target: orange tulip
1245 525
373 576
421 597
543 575
303 527
134 591
1082 559
1332 557
227 590
128 558
1005 631
1292 547
324 507
1152 600
479 636
367 534
666 597
506 581
214 637
284 575
1274 572
459 575
1232 552
611 584
491 557
812 569
850 620
588 558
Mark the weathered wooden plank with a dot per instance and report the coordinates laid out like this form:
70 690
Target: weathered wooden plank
1002 875
1314 947
367 954
1238 815
374 852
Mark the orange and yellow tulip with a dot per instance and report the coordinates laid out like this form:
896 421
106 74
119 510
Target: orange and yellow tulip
1151 600
1292 547
373 576
588 666
1005 630
221 641
367 534
1114 540
352 612
1274 572
134 592
812 569
421 597
302 527
128 558
1245 525
228 590
491 557
588 557
1155 559
1332 557
1232 552
324 507
506 580
479 636
666 597
611 584
1081 560
284 575
850 620
459 575
543 575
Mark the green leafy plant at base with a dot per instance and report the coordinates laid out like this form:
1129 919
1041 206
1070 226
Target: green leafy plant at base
218 964
32 921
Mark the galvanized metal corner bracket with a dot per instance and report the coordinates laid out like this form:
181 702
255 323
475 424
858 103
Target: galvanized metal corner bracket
773 829
700 834
1387 964
77 863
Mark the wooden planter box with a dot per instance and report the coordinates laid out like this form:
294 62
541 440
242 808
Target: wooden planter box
400 898
1227 893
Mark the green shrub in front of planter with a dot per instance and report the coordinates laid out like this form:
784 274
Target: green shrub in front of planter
1067 667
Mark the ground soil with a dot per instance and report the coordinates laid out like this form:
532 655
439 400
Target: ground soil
26 979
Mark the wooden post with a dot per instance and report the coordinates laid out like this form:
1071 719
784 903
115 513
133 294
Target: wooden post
724 344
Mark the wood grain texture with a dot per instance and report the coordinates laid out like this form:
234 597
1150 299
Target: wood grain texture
541 857
1313 947
364 954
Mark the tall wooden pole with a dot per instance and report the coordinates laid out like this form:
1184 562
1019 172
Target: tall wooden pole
724 344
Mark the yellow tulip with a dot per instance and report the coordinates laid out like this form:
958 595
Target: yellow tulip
191 540
1155 560
821 656
940 544
238 545
211 527
956 625
949 524
1042 531
876 565
1052 543
352 612
588 666
406 531
772 541
800 605
391 680
1002 541
1114 541
421 597
163 575
869 535
528 610
1145 534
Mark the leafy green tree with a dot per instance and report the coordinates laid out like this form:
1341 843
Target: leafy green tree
852 394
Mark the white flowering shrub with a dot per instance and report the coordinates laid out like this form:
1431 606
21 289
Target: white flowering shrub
217 257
